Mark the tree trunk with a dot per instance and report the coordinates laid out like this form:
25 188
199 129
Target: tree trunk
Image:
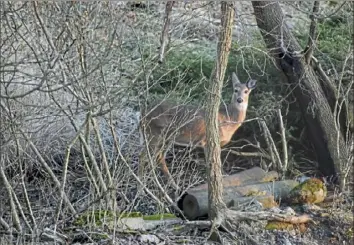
322 129
212 148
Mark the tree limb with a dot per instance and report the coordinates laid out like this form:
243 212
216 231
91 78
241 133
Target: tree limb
164 40
313 32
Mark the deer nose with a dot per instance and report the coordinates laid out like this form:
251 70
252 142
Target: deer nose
239 100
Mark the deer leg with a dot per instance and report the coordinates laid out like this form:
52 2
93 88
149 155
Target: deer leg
161 159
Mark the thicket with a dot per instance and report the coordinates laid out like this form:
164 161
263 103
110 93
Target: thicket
187 69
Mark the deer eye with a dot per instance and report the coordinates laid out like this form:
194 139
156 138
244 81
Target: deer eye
236 90
246 91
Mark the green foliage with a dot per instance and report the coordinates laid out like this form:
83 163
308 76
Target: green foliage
184 72
89 218
335 37
349 233
187 70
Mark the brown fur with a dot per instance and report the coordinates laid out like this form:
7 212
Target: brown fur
166 123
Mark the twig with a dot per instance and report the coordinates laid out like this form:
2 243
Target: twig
15 217
284 143
65 171
271 143
27 201
4 224
333 13
48 169
25 194
103 153
20 209
266 138
167 197
88 149
328 82
251 154
313 32
164 40
116 145
87 167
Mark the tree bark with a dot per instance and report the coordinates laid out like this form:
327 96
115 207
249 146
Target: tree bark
165 39
322 128
212 148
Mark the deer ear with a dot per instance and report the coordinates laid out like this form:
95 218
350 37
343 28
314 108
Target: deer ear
234 79
251 84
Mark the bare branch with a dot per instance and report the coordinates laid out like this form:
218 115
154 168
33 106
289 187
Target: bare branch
164 39
15 217
312 33
284 144
272 145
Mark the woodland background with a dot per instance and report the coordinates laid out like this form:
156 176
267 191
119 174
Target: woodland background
75 75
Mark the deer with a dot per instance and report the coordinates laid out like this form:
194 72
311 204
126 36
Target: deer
166 123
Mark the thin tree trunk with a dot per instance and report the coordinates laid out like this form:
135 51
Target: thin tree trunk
212 150
165 39
322 129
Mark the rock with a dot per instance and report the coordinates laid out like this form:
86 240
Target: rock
289 211
149 239
131 224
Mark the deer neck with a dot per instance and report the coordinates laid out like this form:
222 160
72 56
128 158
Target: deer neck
237 114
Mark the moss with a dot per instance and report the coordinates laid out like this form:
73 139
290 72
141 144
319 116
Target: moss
93 218
268 202
310 191
255 193
159 216
277 225
99 217
349 233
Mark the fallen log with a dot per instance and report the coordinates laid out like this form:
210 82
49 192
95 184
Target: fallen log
244 203
252 175
280 189
195 202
